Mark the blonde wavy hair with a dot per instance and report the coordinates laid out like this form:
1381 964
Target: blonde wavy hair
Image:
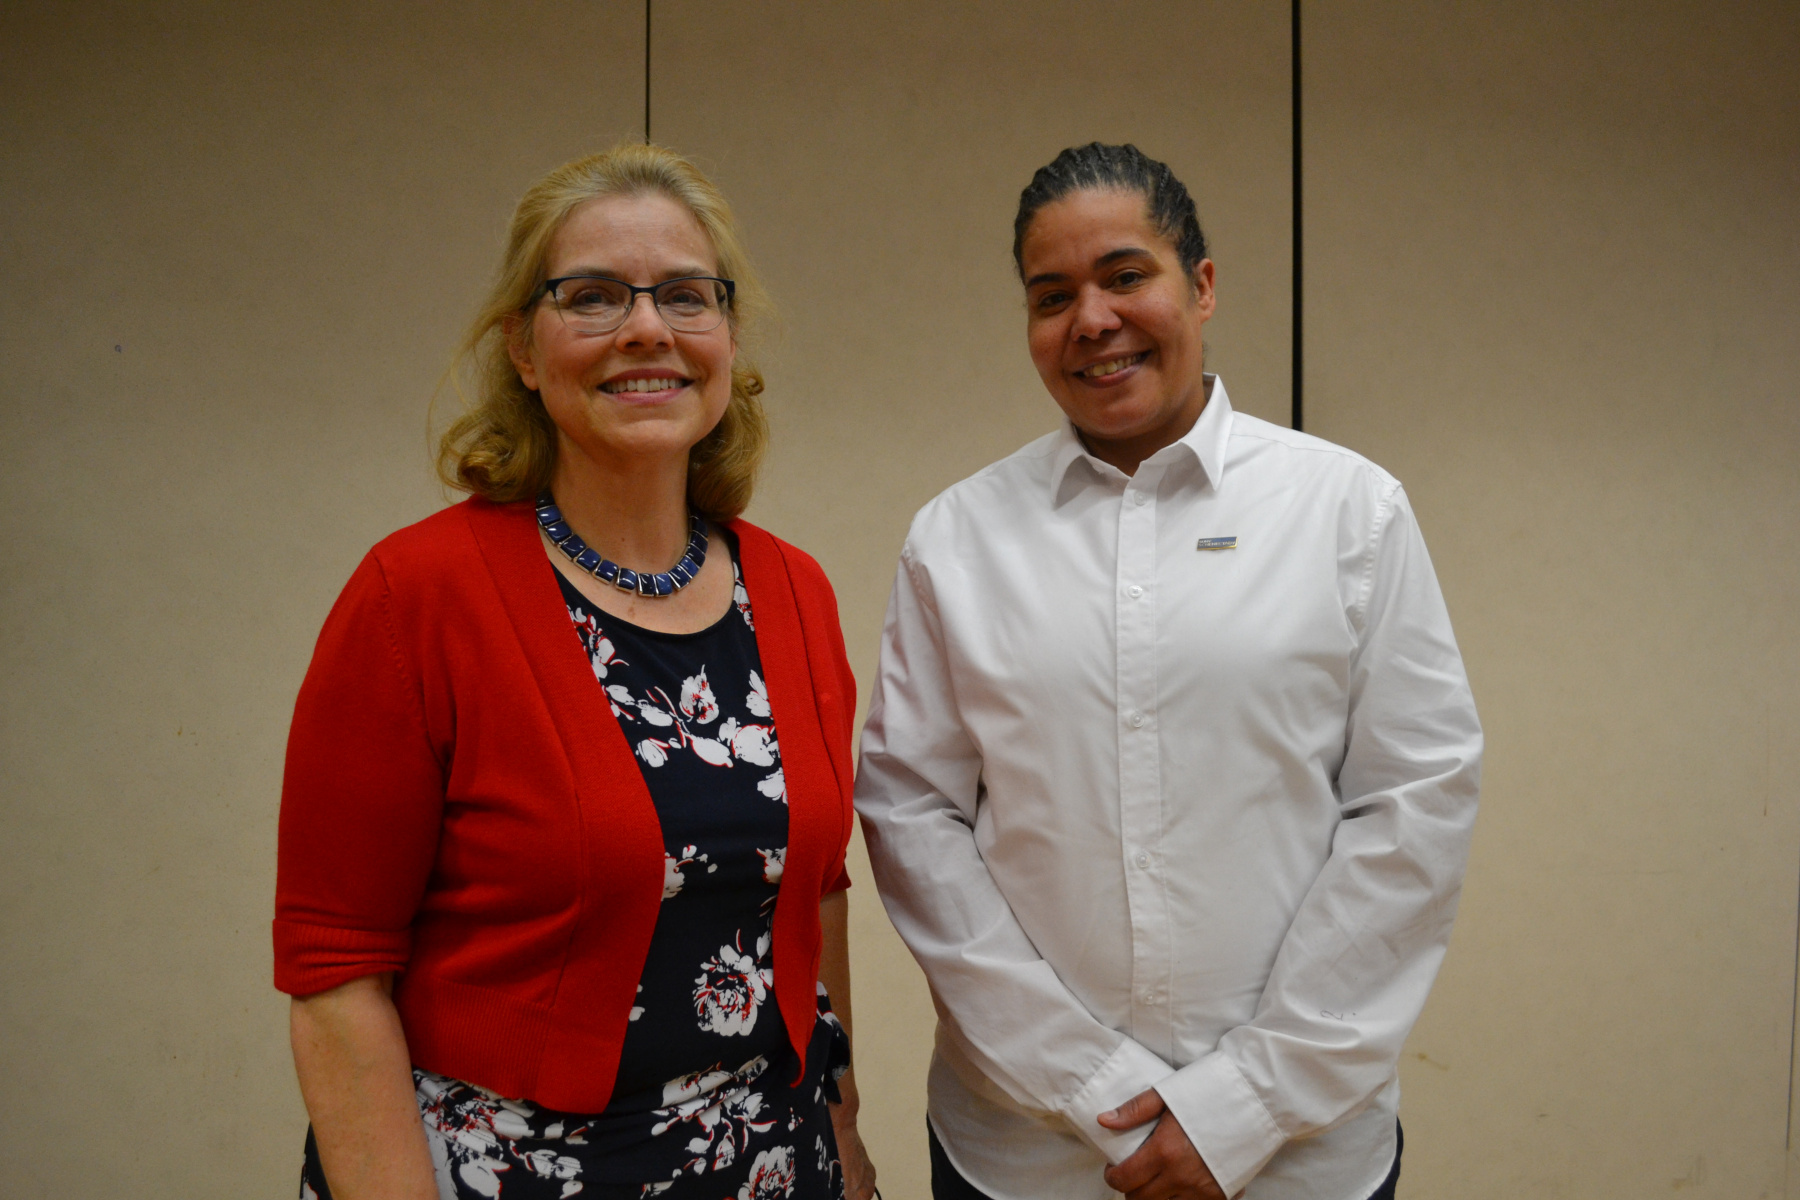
503 447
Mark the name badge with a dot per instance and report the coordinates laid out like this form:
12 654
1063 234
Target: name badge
1218 543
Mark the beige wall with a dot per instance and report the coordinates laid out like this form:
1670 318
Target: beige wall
1555 291
1552 263
240 241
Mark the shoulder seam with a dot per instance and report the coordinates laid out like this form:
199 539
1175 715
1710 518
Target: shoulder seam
1311 445
415 688
1384 511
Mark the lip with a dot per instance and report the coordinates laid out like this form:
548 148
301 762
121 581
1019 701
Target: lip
1117 377
684 381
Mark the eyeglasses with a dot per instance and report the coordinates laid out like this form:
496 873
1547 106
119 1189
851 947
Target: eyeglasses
596 304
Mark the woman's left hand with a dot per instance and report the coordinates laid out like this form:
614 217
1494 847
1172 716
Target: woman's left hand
834 973
859 1172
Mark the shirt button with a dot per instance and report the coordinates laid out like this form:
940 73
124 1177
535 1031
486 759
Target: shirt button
1142 859
1140 498
1149 997
1136 720
1134 591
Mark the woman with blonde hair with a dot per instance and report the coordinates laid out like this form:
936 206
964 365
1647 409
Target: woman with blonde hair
561 870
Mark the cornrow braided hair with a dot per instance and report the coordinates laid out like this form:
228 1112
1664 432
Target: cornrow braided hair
1126 168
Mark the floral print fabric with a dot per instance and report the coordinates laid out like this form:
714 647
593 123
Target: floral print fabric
696 711
703 1105
739 1135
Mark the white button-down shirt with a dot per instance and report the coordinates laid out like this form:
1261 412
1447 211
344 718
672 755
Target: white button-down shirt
1168 781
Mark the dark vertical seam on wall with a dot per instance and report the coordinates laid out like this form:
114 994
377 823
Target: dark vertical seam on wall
1299 376
647 4
1787 1135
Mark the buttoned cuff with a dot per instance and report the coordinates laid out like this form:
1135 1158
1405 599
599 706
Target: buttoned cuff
1127 1071
1225 1119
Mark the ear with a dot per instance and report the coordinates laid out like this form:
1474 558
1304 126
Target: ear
513 328
1204 297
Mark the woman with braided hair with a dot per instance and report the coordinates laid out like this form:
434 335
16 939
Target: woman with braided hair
1171 764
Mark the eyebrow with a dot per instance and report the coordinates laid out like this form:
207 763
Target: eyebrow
607 273
1105 260
1113 256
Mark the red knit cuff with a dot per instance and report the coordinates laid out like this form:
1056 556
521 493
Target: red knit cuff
316 958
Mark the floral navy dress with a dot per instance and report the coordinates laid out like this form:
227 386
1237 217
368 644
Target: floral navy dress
702 1107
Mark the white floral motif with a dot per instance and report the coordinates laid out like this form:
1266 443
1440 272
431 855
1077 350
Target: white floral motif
682 1089
714 753
601 654
727 744
758 699
483 1175
673 879
479 1131
741 597
771 1175
697 701
657 710
755 744
619 694
723 1116
731 987
547 1164
774 861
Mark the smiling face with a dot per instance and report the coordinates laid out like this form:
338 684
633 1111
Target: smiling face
642 393
1114 323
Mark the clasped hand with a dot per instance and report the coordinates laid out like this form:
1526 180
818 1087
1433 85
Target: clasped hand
1166 1166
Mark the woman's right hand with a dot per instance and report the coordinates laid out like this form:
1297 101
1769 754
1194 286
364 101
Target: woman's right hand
356 1077
859 1172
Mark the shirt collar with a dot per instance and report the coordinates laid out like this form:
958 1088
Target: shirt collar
1204 444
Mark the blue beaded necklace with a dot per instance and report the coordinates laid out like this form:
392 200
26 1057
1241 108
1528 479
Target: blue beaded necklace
662 583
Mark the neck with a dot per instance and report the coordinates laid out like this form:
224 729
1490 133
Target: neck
633 511
1128 453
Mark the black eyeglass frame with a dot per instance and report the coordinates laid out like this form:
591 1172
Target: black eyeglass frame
549 286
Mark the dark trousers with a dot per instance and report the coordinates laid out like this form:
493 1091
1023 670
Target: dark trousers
947 1182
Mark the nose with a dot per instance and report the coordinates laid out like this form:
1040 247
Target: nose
1093 314
643 325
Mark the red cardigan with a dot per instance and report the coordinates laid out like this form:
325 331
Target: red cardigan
461 806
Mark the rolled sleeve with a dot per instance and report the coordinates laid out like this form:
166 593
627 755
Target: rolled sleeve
315 958
362 801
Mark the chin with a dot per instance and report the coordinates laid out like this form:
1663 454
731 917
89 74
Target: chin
1114 425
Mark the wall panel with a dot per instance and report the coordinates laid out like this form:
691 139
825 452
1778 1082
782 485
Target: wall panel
240 241
1553 286
876 154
